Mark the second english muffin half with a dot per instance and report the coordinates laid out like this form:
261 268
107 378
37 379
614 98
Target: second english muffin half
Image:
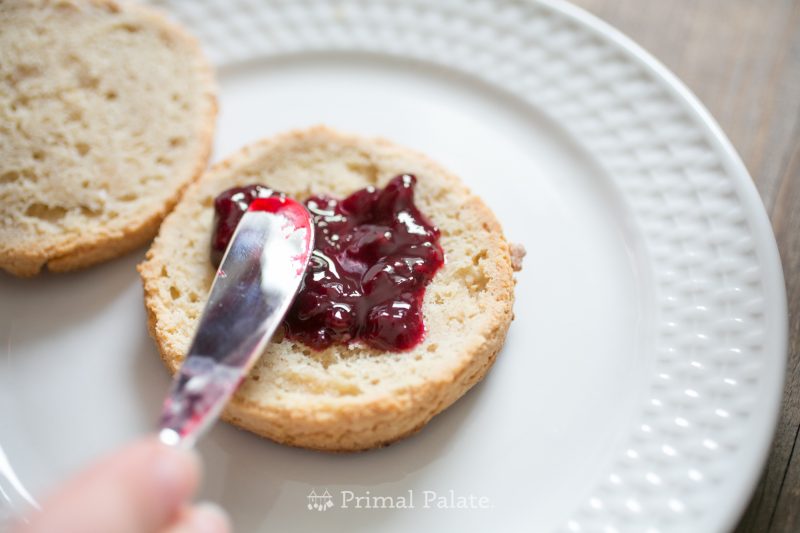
107 112
347 396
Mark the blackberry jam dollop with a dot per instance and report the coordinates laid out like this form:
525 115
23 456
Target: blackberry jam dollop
374 253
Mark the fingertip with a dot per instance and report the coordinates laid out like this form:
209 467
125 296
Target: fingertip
175 475
143 486
178 469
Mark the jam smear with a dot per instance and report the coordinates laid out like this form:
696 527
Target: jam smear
374 254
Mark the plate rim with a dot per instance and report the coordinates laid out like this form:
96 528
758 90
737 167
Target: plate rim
765 242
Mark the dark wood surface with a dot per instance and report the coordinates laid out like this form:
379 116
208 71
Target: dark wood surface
742 59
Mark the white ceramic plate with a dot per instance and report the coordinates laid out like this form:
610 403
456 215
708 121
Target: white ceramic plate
641 379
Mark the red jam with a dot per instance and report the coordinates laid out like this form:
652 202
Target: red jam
229 208
374 254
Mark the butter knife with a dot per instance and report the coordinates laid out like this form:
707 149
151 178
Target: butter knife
255 284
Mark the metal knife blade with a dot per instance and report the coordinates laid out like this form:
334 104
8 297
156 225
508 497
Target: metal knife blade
255 284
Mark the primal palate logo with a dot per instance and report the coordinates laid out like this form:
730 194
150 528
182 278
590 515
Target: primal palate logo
425 499
319 502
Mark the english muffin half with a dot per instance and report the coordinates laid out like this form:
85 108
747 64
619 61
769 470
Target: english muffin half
347 396
107 112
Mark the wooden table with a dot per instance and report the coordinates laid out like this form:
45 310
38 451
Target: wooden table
742 59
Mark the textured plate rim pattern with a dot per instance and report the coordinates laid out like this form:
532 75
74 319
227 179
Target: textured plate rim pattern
721 328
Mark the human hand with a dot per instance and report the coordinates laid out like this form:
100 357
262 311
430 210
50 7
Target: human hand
145 487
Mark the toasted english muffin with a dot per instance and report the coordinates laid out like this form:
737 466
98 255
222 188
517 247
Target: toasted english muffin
107 112
345 397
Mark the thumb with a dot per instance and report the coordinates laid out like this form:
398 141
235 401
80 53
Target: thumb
139 489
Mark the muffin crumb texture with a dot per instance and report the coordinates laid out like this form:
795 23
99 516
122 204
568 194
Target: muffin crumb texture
106 114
